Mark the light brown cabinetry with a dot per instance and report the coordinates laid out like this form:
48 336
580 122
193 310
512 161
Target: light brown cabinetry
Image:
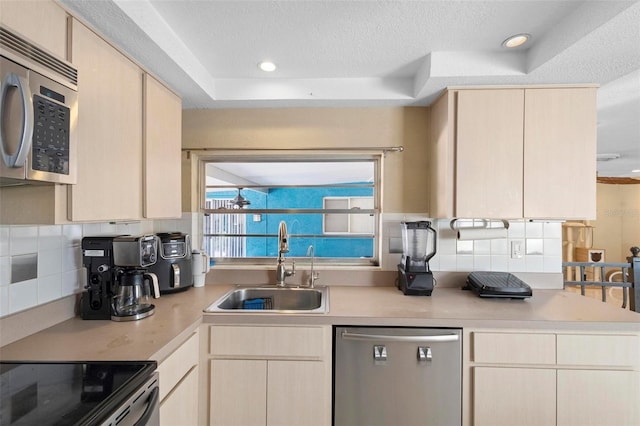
179 384
513 153
269 375
109 131
43 22
529 378
162 145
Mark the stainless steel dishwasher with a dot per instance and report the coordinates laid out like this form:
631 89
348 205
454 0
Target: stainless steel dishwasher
397 376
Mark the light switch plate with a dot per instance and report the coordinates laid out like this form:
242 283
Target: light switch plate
517 249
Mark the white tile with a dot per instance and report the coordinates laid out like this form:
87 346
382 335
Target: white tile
49 288
49 262
464 247
71 258
516 229
534 246
71 235
553 247
517 265
499 246
434 263
446 246
481 263
4 301
464 263
49 237
4 241
164 225
108 228
500 263
552 230
552 264
71 283
91 230
5 271
23 295
481 247
447 262
23 239
534 230
534 264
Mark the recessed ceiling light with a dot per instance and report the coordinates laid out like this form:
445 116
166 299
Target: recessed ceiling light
607 157
267 66
635 171
516 40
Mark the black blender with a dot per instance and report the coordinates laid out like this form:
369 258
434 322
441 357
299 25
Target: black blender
418 247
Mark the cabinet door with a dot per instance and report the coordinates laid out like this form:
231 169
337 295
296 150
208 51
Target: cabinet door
514 396
489 152
180 407
238 393
296 393
162 145
560 153
42 22
109 131
598 397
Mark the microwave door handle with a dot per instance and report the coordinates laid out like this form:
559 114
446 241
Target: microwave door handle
17 160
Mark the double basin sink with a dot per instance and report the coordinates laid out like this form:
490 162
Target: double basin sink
273 299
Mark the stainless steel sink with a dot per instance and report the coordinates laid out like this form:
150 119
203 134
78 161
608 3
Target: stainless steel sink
272 299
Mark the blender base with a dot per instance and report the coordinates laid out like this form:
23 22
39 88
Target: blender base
414 283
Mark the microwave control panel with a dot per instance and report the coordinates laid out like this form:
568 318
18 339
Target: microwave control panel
50 136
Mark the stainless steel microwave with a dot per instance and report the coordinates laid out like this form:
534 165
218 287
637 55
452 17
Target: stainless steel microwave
38 113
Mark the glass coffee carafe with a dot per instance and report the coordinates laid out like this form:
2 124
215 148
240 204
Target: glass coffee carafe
134 290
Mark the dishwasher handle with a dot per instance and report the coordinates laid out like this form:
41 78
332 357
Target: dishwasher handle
395 338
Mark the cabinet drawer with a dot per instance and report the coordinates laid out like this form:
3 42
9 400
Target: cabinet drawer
514 348
598 350
267 342
176 365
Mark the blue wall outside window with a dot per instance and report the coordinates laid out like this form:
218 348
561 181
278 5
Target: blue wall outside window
298 198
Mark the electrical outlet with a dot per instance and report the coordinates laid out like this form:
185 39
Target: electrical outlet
517 249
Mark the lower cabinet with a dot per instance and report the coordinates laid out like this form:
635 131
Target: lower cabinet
270 375
563 379
179 384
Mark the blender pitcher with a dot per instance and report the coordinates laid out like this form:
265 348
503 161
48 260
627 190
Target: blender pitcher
418 245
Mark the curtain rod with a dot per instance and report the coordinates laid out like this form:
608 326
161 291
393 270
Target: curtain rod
375 148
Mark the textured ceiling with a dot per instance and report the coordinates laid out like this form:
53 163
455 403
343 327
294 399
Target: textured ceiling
383 53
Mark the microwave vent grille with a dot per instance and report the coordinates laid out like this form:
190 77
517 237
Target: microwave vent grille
26 49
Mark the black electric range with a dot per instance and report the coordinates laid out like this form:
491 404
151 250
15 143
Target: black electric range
78 393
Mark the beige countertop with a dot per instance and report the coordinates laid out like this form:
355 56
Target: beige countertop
178 315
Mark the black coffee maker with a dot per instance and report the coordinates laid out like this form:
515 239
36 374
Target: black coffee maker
174 265
134 285
97 258
418 247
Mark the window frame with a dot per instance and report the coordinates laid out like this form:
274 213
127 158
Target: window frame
375 157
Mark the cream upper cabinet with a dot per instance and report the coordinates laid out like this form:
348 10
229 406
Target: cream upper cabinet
109 131
560 153
513 153
162 145
43 22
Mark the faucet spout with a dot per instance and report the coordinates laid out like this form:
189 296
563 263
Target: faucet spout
313 275
283 247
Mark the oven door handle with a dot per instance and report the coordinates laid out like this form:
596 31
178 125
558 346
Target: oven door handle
395 338
148 412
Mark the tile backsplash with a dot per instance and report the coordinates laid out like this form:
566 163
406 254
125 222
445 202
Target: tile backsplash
57 257
55 252
529 246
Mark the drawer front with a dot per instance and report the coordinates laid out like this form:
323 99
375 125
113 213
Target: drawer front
514 348
176 365
267 342
599 350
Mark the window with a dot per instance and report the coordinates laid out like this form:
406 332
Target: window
329 202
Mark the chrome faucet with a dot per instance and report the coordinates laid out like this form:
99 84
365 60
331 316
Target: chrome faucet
313 275
283 247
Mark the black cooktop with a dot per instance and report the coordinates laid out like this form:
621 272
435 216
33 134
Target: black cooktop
66 393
